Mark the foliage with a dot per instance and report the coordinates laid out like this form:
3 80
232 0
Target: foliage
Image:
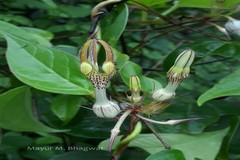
45 101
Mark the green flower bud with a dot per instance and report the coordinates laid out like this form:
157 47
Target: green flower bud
135 88
181 68
135 85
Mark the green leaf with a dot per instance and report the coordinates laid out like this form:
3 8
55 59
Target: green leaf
46 69
68 11
228 86
221 48
66 107
16 112
89 153
12 142
172 154
50 3
204 146
113 25
207 3
36 31
9 29
129 69
120 58
47 139
150 3
41 67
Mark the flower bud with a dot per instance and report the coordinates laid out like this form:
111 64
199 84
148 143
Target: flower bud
181 68
135 88
233 26
135 85
166 93
85 68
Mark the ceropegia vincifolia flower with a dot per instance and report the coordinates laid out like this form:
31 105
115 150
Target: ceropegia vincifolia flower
135 88
176 74
233 25
103 107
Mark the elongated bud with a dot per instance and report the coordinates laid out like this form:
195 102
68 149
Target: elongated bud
135 88
103 107
181 68
233 26
135 85
85 68
166 93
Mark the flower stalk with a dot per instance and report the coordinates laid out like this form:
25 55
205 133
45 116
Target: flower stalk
116 130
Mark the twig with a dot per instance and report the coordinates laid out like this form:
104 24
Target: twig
166 146
220 60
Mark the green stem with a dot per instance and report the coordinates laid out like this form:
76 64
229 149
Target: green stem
174 7
135 133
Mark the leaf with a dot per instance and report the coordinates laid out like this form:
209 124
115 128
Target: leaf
203 146
150 3
89 153
68 11
41 67
228 86
46 69
172 154
87 125
129 69
120 58
207 3
112 26
66 107
36 31
16 112
12 142
50 3
221 48
9 29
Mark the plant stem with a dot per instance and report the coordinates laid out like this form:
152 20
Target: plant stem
166 146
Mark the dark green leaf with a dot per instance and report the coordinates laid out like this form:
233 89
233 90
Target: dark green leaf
207 3
172 154
89 153
228 86
66 107
192 146
46 69
114 24
16 112
42 67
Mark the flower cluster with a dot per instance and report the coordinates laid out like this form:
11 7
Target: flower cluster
100 76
